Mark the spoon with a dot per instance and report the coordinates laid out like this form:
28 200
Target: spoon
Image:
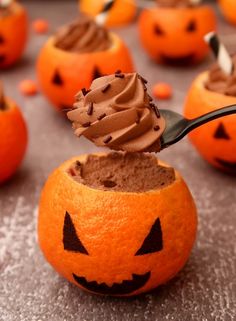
177 126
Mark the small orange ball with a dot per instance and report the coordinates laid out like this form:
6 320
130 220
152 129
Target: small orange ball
162 90
40 25
28 87
13 140
92 237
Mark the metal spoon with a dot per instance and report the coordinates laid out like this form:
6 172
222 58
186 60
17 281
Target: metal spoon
177 126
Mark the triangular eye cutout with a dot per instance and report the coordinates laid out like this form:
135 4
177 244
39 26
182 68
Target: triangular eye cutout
2 41
158 31
192 26
71 240
57 80
221 133
96 73
153 242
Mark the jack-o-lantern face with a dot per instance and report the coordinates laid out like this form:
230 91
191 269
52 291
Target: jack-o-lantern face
216 141
62 73
228 8
115 243
12 38
153 243
175 35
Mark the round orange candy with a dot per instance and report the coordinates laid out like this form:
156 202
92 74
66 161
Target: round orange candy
215 141
62 74
28 87
97 239
162 90
13 35
13 140
40 26
123 11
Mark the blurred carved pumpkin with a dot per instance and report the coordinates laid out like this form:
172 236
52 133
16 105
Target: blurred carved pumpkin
175 35
215 141
13 33
62 73
228 8
122 13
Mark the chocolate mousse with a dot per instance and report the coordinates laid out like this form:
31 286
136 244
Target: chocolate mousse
125 172
83 36
218 81
118 113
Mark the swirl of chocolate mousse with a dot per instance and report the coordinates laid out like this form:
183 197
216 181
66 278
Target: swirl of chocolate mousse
220 82
117 112
82 36
175 3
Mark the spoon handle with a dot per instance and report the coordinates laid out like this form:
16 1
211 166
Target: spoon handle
196 122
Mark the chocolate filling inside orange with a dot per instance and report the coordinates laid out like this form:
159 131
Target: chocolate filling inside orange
124 172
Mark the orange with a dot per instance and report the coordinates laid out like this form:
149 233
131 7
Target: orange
13 35
100 240
123 11
215 141
175 35
58 69
13 140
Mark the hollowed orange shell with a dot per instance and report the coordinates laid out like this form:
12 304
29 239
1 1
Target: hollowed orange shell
74 71
13 34
201 101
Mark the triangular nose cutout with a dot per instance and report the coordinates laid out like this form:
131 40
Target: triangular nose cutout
2 40
57 80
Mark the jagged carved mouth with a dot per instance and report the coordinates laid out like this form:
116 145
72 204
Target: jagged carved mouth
178 61
230 166
126 287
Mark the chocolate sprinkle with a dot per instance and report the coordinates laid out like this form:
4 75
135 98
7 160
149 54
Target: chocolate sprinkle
156 128
106 88
154 107
118 72
90 109
86 124
101 116
107 139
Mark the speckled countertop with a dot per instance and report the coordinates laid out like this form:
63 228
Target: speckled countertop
31 291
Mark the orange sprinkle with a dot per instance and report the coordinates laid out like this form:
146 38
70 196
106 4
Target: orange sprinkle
28 87
162 90
40 25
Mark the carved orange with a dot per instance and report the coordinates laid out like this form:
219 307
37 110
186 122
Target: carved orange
115 243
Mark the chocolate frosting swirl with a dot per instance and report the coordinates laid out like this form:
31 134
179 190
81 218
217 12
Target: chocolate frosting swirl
117 112
220 82
82 36
175 3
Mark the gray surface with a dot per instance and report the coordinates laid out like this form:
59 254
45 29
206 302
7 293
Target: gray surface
31 291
